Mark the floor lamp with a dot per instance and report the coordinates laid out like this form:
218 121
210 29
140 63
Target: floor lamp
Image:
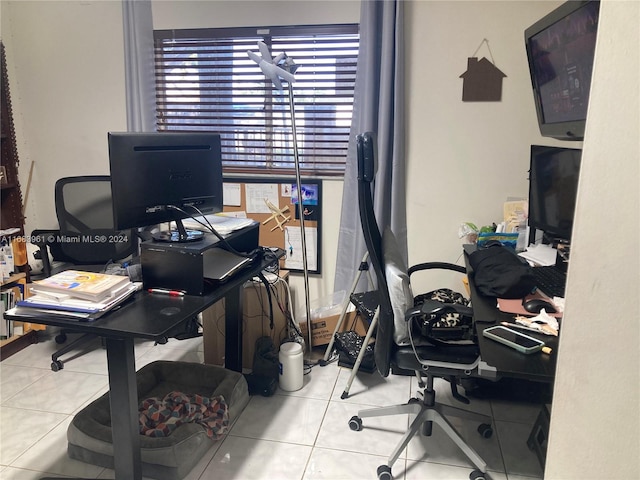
282 67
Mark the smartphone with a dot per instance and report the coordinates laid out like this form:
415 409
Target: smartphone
516 340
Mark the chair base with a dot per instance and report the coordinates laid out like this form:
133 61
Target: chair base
56 363
427 412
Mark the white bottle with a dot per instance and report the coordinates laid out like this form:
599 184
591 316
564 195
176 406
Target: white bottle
291 366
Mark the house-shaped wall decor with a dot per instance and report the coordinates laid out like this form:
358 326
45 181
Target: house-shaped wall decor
482 81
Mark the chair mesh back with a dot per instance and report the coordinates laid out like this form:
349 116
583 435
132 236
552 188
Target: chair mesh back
85 215
373 240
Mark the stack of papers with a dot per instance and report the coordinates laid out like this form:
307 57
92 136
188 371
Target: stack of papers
223 224
540 255
76 294
543 323
80 284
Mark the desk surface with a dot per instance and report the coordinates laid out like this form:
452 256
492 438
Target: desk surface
507 361
149 315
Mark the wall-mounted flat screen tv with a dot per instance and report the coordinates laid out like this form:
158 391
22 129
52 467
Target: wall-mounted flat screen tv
560 48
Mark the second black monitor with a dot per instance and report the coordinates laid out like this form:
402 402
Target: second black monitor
553 187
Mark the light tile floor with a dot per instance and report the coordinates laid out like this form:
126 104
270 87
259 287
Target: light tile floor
298 435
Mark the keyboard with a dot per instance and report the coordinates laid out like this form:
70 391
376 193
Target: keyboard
551 280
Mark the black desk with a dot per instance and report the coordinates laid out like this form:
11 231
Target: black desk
153 316
508 362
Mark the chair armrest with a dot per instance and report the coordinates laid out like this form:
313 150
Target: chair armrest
43 239
436 265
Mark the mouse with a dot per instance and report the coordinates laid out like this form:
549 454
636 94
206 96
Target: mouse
534 305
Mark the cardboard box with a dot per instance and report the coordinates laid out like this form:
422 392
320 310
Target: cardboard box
255 311
322 328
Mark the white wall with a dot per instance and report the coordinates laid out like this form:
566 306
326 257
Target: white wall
595 415
66 75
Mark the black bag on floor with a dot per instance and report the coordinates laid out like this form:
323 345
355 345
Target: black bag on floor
263 379
348 345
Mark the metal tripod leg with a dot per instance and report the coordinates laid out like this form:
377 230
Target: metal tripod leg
345 306
363 349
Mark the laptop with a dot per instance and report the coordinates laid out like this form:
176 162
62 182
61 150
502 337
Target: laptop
220 264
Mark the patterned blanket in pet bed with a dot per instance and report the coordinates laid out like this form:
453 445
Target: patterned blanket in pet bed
160 417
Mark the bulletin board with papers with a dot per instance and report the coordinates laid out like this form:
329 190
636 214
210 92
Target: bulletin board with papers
274 203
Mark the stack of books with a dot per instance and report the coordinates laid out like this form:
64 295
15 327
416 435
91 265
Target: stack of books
76 294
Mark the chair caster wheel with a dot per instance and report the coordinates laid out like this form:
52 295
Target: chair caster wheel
485 430
57 365
477 475
355 424
384 472
61 338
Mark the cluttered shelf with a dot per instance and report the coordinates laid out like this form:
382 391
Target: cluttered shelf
15 274
15 335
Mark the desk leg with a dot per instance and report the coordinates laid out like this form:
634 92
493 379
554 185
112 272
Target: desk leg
124 408
233 329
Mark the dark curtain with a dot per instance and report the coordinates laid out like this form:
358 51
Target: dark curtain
379 108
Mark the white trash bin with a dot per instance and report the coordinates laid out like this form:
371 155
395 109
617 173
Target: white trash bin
291 366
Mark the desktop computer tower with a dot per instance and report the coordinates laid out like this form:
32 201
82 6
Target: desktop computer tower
184 266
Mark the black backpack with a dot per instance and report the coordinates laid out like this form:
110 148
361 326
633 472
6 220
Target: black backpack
499 272
263 379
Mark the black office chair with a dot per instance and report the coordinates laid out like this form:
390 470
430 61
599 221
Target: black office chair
86 239
453 359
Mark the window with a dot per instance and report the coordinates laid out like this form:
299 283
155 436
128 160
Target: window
206 81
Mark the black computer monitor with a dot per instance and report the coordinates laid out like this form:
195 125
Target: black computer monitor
553 186
165 177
